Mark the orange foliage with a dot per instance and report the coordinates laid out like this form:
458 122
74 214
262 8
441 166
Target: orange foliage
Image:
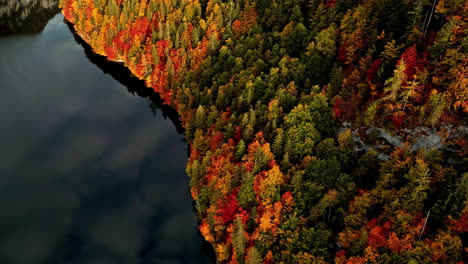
248 17
205 231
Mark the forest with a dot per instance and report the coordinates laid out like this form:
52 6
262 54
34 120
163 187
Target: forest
320 131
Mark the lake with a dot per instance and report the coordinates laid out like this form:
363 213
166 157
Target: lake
89 173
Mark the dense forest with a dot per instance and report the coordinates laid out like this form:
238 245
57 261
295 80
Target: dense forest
321 131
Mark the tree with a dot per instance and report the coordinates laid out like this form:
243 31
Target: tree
419 177
253 256
200 118
370 116
270 183
301 140
247 75
239 239
438 104
393 84
241 150
246 191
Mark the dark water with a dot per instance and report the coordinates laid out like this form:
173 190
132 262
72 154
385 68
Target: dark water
88 174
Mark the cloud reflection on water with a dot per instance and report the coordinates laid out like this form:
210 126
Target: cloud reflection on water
87 173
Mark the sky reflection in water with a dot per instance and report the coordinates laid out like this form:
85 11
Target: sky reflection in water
87 173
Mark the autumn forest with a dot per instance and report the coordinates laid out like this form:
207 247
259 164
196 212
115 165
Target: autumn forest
320 131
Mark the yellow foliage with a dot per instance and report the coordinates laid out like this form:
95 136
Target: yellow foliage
269 186
306 258
343 138
205 231
222 252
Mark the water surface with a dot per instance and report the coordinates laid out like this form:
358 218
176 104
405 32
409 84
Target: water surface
88 174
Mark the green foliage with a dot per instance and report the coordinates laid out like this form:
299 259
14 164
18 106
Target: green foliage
253 256
246 192
245 75
301 140
239 239
438 104
324 171
391 17
315 241
366 172
393 84
241 150
200 117
370 116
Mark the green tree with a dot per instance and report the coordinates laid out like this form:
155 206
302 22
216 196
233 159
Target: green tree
241 150
200 118
393 84
239 239
253 256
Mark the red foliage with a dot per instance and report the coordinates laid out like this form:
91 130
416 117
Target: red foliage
249 20
430 38
347 110
187 37
461 225
330 3
288 201
174 55
361 192
236 26
199 53
161 47
243 214
268 258
121 41
232 142
287 196
238 133
111 52
216 140
373 222
340 257
89 11
194 154
373 69
413 63
248 166
397 120
341 253
342 52
462 144
159 84
394 243
410 56
257 181
337 108
271 163
155 21
229 207
140 28
68 11
378 234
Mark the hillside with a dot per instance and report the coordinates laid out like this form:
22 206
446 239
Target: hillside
320 131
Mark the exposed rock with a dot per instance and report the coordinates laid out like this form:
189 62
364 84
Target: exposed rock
420 138
430 141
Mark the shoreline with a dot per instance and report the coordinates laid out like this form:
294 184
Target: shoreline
134 85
